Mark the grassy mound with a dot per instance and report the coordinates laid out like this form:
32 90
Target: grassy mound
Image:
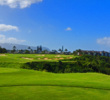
17 84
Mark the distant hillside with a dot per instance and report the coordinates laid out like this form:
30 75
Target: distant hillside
18 46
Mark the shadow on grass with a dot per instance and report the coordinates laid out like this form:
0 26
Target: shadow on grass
55 86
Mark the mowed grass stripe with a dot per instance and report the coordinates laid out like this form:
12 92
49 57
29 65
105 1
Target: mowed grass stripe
43 85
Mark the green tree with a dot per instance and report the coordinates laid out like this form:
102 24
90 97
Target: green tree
29 48
66 50
27 51
14 49
60 50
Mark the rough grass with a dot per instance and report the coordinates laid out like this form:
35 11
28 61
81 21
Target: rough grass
21 84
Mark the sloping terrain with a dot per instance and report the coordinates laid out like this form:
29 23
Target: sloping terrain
17 84
23 84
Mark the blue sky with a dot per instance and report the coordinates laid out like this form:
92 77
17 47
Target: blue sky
75 24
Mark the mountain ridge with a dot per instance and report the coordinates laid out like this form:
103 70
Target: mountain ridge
9 46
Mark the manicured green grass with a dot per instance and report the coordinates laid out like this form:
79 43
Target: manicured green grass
52 93
21 84
22 58
17 60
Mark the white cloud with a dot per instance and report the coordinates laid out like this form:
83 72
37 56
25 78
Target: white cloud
104 41
4 27
4 39
69 29
18 3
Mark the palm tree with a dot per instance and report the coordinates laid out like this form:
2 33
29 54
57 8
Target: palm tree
66 50
37 49
14 47
60 50
40 48
29 48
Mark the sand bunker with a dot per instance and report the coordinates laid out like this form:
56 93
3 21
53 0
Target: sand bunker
40 55
2 55
45 58
69 57
49 59
61 58
27 58
57 56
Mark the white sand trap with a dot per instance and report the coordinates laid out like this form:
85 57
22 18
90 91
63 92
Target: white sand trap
49 59
40 55
61 58
69 57
58 56
2 55
45 58
55 58
27 58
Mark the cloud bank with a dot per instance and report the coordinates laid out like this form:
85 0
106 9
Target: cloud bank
19 3
69 29
4 27
4 39
104 41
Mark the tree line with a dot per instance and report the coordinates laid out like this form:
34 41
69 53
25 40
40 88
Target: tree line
3 50
81 64
29 50
26 51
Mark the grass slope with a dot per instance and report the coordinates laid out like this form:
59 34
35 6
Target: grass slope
16 60
22 58
20 84
52 93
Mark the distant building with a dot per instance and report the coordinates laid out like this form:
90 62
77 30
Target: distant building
53 52
67 52
62 48
93 53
